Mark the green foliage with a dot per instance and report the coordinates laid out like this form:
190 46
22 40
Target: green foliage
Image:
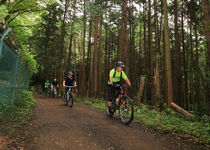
45 39
13 116
170 121
3 12
91 101
28 59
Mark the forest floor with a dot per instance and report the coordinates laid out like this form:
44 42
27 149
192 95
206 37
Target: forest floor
55 126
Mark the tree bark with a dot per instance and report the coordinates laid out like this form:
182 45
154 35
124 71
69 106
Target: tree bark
100 58
141 89
145 41
95 58
83 83
71 40
177 86
206 22
150 92
123 34
168 56
181 110
62 54
197 79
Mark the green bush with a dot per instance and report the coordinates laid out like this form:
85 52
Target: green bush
171 121
13 116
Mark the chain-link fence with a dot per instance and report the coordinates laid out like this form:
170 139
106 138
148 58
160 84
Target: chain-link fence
14 73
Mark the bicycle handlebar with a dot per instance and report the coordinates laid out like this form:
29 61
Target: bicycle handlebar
121 86
70 86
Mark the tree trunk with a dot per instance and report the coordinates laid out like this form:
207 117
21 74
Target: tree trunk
168 56
177 86
141 89
100 58
95 57
185 98
145 41
123 34
83 83
62 54
89 51
206 21
197 79
70 41
181 110
150 92
191 70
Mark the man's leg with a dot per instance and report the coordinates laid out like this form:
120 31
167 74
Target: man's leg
45 91
110 95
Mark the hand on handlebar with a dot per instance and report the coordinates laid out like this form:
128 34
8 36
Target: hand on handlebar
129 86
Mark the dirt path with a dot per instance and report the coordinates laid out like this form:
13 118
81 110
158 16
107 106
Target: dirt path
57 127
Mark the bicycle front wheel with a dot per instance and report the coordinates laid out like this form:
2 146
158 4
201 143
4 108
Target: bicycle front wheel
71 101
65 99
126 110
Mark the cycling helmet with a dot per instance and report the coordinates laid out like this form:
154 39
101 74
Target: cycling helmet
120 64
48 81
70 73
55 79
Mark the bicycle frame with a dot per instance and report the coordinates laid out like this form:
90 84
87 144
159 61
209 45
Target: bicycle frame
70 89
121 93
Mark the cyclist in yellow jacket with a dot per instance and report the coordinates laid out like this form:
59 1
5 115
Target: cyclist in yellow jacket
115 76
46 87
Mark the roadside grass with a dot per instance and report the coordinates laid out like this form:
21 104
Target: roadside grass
97 103
14 116
173 122
197 128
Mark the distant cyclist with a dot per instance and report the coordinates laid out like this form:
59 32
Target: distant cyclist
115 77
54 87
46 87
69 81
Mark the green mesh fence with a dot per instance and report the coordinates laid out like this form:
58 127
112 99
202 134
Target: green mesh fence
14 74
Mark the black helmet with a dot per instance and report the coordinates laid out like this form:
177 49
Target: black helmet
70 73
120 64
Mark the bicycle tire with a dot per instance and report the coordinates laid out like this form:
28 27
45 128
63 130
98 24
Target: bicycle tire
71 101
126 118
64 99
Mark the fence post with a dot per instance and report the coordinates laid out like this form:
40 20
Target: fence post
1 40
16 70
1 45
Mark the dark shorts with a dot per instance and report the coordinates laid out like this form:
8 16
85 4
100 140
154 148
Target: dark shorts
112 92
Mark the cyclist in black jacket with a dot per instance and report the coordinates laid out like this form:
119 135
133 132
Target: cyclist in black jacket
69 81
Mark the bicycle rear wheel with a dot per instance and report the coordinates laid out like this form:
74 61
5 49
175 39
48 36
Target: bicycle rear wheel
126 110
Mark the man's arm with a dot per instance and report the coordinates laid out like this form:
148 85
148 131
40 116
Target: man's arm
110 79
75 83
126 78
128 82
64 83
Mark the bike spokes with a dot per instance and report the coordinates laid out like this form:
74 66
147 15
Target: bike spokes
70 102
126 110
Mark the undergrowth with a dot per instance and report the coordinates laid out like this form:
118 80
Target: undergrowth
13 116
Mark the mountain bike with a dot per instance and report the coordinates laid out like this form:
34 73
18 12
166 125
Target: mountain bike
68 98
123 104
54 91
